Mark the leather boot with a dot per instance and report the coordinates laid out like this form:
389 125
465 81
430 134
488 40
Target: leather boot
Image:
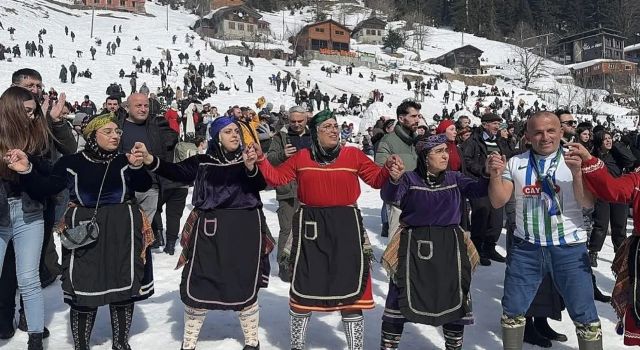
542 326
597 294
532 336
121 316
35 341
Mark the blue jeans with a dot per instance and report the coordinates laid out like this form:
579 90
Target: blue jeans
26 231
527 264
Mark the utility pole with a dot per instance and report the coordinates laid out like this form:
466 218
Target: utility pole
168 17
93 12
283 25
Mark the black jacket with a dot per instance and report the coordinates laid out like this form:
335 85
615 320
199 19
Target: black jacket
474 153
618 159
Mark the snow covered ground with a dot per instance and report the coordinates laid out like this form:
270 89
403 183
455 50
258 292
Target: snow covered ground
158 321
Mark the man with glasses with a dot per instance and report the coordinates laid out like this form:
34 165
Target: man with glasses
289 140
568 125
63 142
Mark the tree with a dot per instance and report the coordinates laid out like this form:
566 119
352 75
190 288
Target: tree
394 40
528 64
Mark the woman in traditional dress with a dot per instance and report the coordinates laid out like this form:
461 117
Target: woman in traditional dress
225 252
329 250
607 187
115 269
428 261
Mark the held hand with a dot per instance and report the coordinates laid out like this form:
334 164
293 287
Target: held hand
140 150
576 149
289 150
17 160
574 163
396 172
496 164
56 110
250 156
135 159
392 160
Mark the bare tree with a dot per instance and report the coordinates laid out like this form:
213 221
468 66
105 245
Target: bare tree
528 64
291 34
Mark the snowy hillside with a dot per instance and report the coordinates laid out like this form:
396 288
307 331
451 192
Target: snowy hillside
158 321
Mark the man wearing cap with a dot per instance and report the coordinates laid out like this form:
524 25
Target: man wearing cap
400 142
289 140
486 221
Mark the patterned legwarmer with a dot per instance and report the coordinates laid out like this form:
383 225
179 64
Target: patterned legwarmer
453 336
299 323
354 331
249 321
513 322
193 320
589 332
391 334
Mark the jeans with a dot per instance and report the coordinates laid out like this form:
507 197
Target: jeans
527 265
26 232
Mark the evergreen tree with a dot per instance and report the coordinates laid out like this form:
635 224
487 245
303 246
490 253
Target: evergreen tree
393 40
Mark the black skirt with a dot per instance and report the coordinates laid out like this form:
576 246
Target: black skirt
110 269
434 275
226 266
330 267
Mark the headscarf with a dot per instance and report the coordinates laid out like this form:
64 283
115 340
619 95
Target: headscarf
89 128
318 153
455 163
424 144
215 148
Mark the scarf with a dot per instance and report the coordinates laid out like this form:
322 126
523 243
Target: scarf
455 163
405 135
95 152
547 184
318 153
215 149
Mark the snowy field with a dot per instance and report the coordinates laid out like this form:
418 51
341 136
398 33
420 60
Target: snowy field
158 321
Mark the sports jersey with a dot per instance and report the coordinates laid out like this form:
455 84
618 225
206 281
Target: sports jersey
534 223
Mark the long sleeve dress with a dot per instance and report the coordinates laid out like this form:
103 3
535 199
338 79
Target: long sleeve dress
225 253
329 249
428 260
116 267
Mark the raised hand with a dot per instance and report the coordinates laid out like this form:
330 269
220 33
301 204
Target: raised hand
56 110
17 160
578 150
140 150
289 150
250 156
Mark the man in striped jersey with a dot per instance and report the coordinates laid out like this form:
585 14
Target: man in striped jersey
550 235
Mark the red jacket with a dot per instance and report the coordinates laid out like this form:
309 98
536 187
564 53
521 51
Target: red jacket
172 117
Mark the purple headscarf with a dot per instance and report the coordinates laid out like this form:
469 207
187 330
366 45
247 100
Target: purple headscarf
425 144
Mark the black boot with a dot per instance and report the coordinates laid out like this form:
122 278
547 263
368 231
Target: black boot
81 327
22 325
121 316
35 341
250 347
532 336
542 326
159 240
597 294
170 247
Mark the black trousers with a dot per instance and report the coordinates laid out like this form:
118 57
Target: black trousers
486 224
175 199
603 214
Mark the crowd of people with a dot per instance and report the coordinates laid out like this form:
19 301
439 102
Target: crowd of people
448 190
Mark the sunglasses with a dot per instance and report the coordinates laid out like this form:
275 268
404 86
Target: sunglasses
570 122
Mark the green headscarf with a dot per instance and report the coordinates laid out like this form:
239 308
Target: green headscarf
318 153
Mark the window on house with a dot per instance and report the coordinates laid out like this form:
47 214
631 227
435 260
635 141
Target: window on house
109 2
123 3
318 44
339 32
250 27
627 67
379 33
320 30
232 25
240 26
612 66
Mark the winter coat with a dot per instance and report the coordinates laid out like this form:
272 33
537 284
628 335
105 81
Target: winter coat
63 73
173 118
399 142
474 153
276 156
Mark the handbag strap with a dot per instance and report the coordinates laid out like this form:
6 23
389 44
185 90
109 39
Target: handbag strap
95 212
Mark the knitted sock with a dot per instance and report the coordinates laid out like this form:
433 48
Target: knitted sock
299 323
249 319
453 336
193 320
354 331
391 334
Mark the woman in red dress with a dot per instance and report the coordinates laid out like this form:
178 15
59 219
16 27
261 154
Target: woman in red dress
329 250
